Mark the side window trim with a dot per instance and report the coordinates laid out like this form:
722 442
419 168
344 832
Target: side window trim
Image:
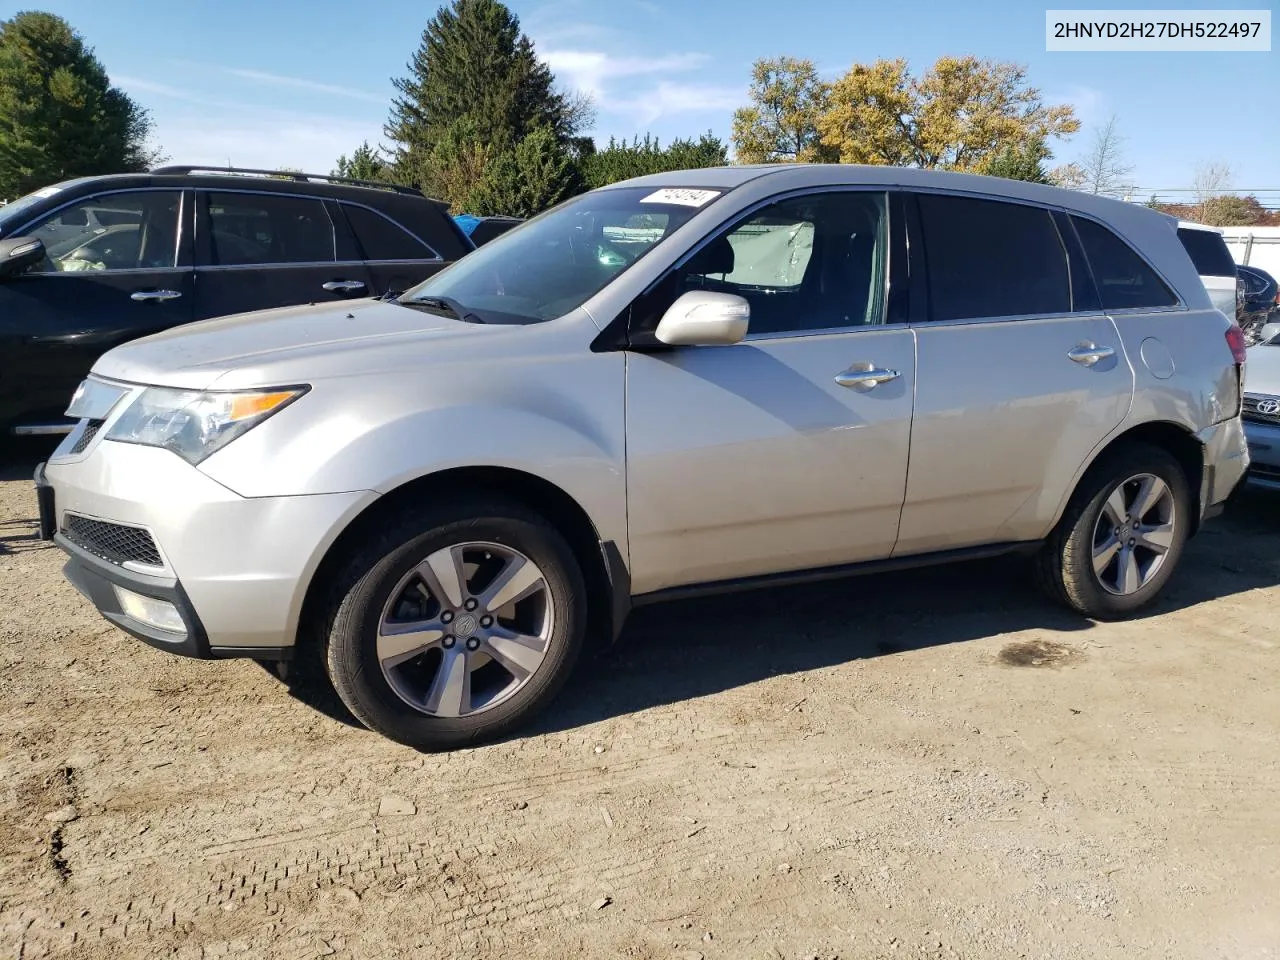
178 267
892 255
435 254
1085 297
919 258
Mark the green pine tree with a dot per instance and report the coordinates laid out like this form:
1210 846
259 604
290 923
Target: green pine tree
365 163
59 115
622 160
474 65
1021 162
539 173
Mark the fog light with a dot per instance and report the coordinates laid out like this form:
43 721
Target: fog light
160 614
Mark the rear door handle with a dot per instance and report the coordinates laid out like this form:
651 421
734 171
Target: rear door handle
866 376
343 286
159 295
1087 354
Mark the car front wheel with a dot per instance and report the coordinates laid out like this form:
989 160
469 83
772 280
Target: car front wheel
456 625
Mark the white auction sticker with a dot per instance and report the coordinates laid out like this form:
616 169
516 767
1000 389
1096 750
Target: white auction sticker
46 192
681 197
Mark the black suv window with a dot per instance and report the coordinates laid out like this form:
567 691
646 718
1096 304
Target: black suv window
992 259
1124 280
115 231
1208 252
813 262
256 228
381 238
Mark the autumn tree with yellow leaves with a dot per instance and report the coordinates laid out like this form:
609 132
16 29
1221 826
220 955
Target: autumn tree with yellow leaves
964 113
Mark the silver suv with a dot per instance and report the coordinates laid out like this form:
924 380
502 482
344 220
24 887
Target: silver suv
701 380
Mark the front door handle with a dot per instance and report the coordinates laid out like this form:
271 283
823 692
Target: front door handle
1088 353
158 295
866 376
343 286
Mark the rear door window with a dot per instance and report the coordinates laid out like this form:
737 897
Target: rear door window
1124 279
987 258
1208 251
381 238
253 228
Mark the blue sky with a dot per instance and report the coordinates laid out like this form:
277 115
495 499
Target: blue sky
282 83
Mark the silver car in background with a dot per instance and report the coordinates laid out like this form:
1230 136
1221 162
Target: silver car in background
1262 409
696 381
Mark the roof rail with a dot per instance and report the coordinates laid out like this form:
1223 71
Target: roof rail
289 175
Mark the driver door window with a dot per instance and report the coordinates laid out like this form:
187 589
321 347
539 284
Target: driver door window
804 264
118 231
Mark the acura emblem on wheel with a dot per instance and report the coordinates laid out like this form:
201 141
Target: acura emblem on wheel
1269 407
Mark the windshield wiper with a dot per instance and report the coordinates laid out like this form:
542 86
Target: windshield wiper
444 305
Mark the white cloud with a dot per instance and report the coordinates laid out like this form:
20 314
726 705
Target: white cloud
245 134
590 70
617 83
302 84
263 141
669 98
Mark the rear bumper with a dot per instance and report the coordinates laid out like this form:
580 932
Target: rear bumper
1226 461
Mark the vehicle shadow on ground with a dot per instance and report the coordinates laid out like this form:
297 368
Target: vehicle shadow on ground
684 650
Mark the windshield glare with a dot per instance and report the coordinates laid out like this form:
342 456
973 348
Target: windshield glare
554 263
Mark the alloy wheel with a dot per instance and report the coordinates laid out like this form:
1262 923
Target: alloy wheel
466 629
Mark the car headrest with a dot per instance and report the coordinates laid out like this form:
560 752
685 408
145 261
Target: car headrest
715 257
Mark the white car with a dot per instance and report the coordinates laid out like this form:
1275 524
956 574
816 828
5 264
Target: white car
1262 409
1208 250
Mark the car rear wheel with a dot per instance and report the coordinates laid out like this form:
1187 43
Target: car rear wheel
1121 537
456 625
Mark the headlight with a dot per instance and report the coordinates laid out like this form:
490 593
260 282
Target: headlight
193 424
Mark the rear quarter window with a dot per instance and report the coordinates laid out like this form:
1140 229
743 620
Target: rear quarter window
1124 280
1208 251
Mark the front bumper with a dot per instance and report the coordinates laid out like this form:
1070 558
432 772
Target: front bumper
235 568
1264 454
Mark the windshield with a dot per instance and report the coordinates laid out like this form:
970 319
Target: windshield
554 263
14 213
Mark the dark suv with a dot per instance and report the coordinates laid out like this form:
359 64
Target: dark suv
91 263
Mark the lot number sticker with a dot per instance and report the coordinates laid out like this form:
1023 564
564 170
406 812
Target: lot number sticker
683 198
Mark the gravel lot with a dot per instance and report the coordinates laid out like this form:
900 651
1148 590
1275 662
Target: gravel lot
933 764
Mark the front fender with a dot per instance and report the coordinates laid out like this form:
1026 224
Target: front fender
561 420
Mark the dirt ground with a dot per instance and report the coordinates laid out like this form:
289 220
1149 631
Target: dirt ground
925 765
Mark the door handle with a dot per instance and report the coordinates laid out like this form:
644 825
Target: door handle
1087 354
343 286
866 376
159 295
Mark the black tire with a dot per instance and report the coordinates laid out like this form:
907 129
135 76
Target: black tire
349 633
1064 565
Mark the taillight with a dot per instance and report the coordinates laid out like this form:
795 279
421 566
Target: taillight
1235 340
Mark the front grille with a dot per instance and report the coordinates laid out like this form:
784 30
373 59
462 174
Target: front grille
1251 412
90 431
115 542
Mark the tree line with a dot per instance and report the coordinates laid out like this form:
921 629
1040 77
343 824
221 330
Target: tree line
478 120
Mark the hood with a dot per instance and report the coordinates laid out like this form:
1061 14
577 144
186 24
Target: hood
1262 369
273 346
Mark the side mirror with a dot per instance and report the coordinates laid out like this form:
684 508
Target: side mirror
702 318
18 253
